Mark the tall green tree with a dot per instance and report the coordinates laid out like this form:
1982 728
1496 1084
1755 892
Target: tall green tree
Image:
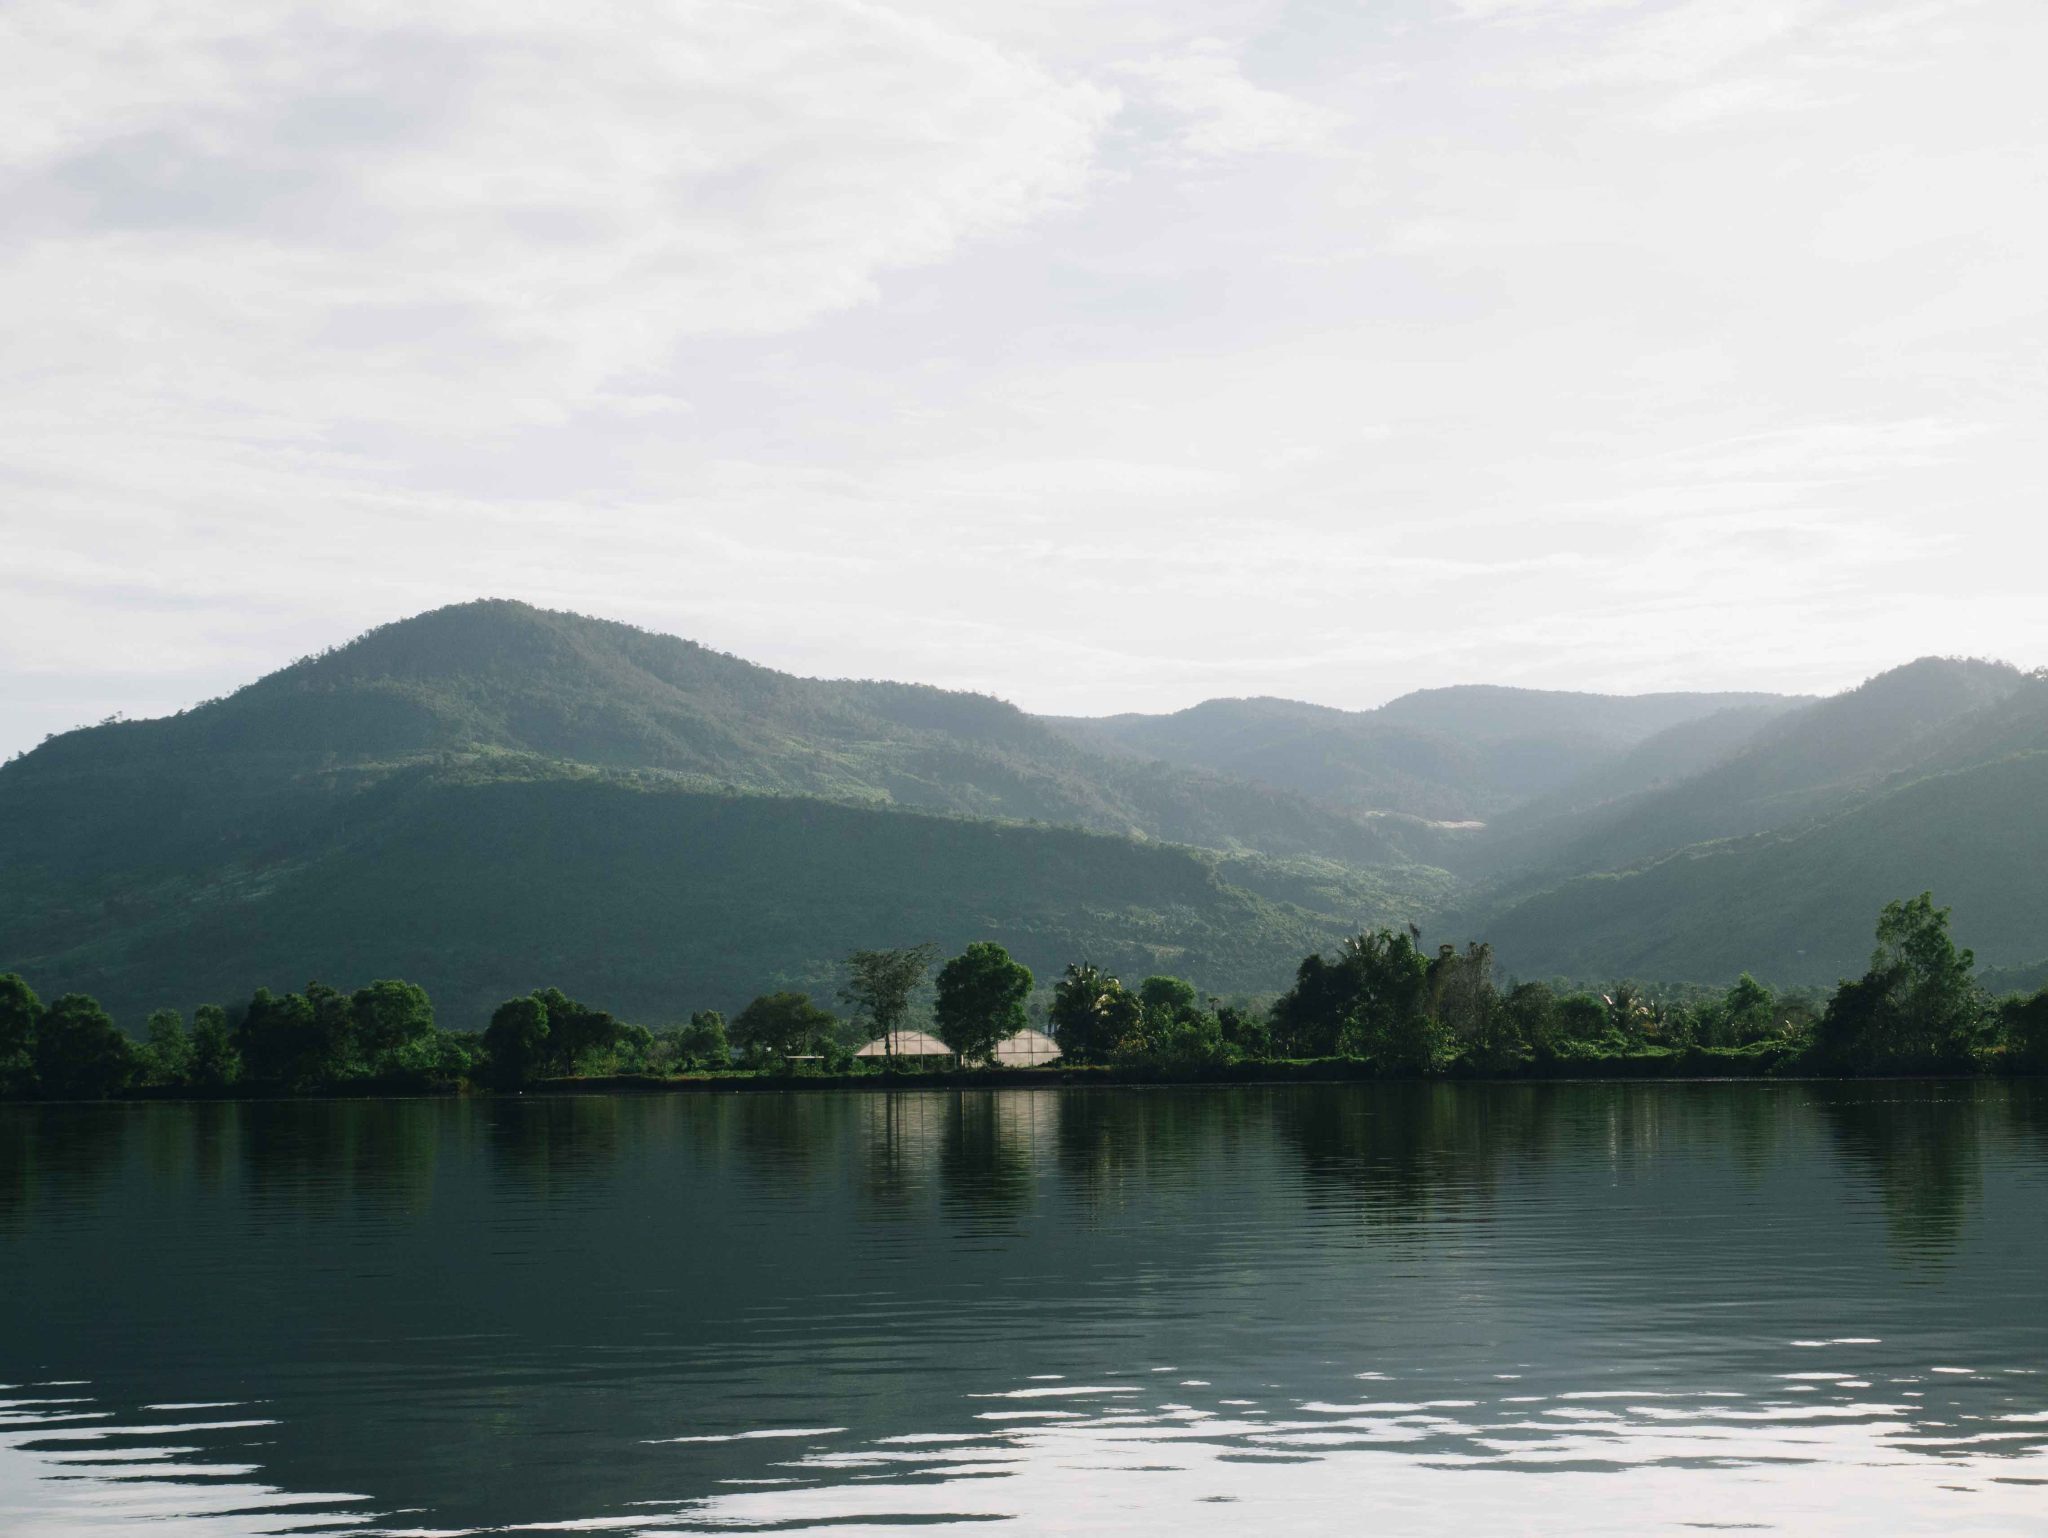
1093 1015
1750 1011
20 1009
516 1041
1465 1002
981 994
1917 1007
390 1015
1168 998
167 1053
703 1042
2025 1024
80 1053
879 986
575 1030
214 1062
274 1036
1371 1001
331 1052
782 1025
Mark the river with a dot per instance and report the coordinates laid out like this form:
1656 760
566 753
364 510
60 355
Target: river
1438 1309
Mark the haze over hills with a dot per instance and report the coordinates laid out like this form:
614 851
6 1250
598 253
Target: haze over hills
491 797
1455 754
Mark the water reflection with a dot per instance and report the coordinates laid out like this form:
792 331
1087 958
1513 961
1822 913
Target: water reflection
1917 1143
1311 1308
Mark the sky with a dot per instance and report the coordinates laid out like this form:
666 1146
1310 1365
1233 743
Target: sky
1103 356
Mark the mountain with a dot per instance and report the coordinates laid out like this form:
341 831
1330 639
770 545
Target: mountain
496 678
1456 754
491 796
1798 909
1776 859
1803 766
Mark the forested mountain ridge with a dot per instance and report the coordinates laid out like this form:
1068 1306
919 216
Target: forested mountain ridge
499 678
473 793
284 830
1455 754
1932 776
1794 769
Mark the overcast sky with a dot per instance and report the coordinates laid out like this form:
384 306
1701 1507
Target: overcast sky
1100 355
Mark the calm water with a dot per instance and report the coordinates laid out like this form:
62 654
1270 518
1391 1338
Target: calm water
1533 1309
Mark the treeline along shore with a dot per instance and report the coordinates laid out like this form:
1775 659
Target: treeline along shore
1380 1007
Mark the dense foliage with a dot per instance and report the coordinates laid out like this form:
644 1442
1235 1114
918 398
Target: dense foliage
1379 1001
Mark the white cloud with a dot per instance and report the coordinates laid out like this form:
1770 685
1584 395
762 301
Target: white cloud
1063 351
1225 114
486 211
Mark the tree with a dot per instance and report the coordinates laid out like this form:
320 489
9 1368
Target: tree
575 1030
274 1036
20 1009
517 1040
2025 1024
1940 1008
703 1041
1746 1013
879 985
1463 999
390 1015
1167 997
781 1025
1368 1002
1629 1014
1093 1015
167 1059
1308 1019
214 1062
331 1051
981 999
1245 1030
80 1054
1527 1016
1917 1007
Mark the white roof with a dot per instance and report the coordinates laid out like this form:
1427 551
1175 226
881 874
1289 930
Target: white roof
1026 1047
905 1044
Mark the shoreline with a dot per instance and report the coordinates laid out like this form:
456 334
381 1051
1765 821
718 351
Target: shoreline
1251 1075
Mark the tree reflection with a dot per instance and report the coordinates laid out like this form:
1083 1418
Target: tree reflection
1918 1143
555 1143
381 1152
1109 1142
57 1155
1401 1152
985 1151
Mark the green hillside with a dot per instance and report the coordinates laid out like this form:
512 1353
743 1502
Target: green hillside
490 796
1803 767
659 900
502 678
1793 908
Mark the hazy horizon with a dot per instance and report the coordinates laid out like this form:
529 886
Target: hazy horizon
1104 357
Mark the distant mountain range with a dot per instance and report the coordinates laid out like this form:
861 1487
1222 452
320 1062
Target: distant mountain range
491 797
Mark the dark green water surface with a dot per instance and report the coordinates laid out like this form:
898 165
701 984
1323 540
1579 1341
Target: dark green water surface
1618 1308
